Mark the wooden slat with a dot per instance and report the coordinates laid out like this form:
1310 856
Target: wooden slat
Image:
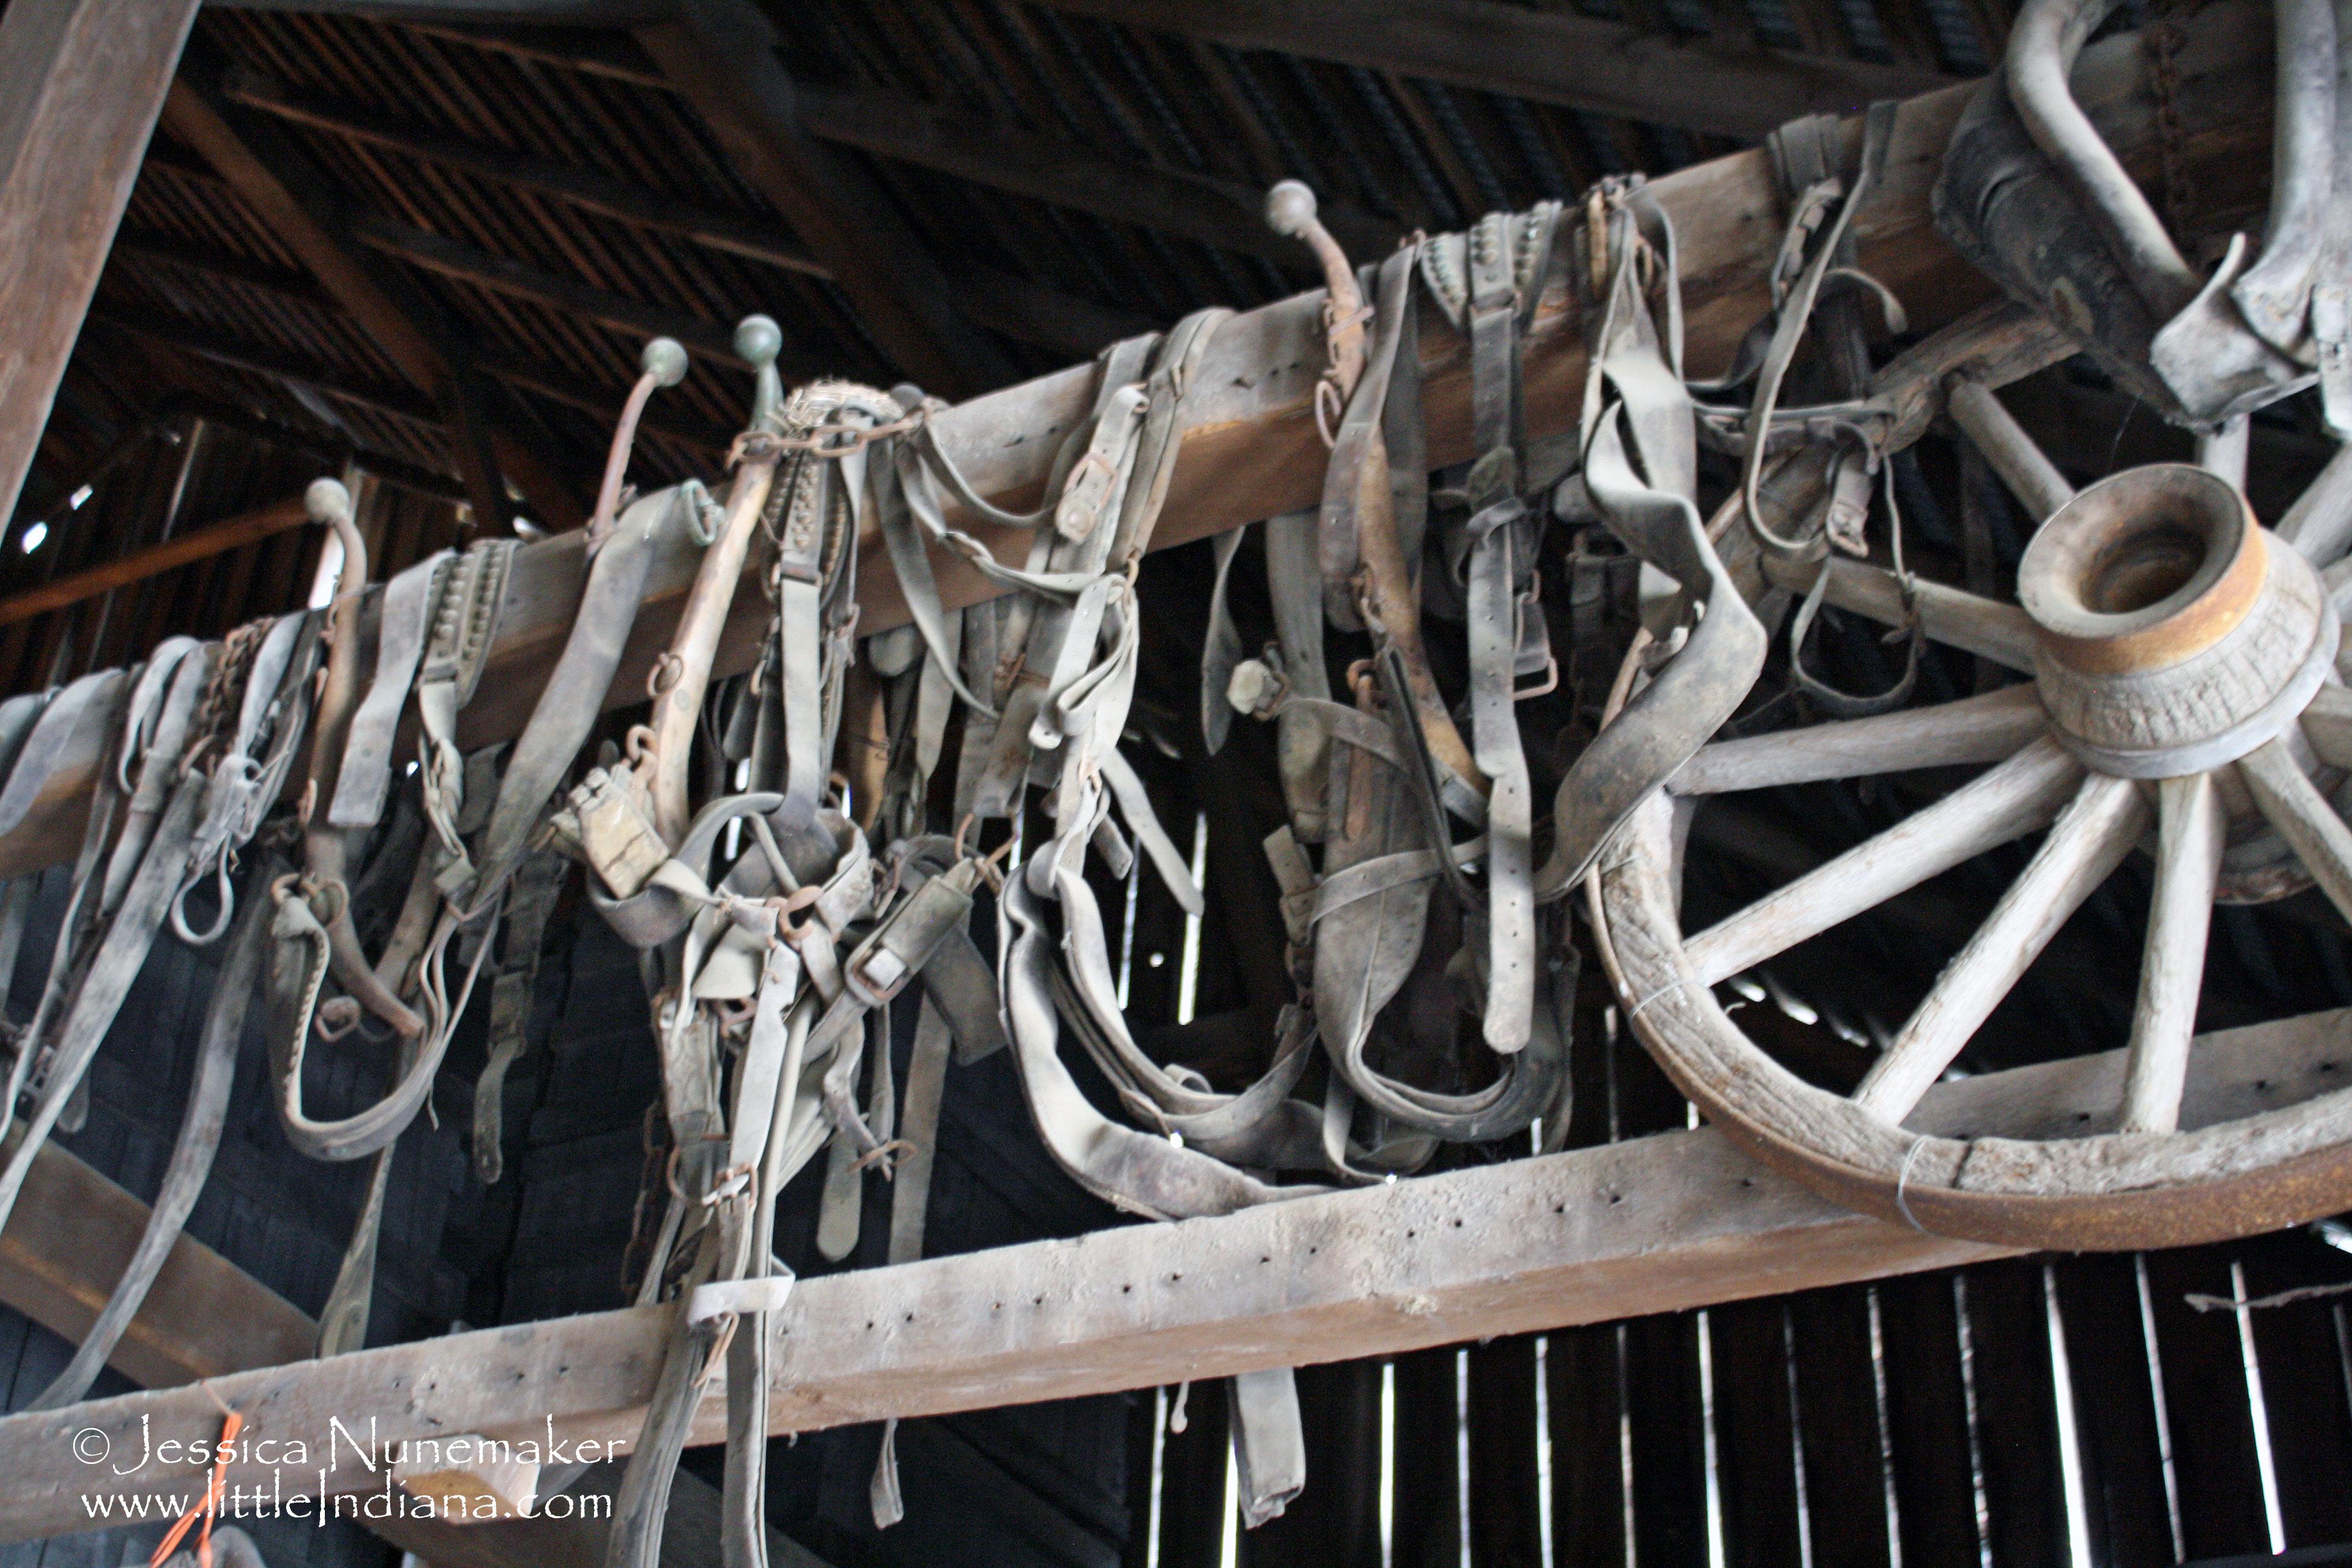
1755 1441
199 544
2296 1347
1251 449
2016 1417
1550 55
722 55
81 83
2209 1419
1426 1524
1837 1398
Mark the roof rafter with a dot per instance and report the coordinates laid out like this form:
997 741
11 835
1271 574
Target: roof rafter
279 182
1544 56
1022 309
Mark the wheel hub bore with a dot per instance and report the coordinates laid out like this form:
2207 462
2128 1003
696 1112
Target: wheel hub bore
2176 633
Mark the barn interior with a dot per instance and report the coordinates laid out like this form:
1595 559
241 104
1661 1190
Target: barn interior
420 247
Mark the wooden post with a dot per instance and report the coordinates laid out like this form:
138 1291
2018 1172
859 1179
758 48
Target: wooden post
80 84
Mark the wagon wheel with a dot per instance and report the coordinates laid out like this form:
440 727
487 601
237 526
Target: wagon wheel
2183 699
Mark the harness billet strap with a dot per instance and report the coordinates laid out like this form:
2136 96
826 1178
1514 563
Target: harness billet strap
1702 684
272 713
61 721
536 888
403 619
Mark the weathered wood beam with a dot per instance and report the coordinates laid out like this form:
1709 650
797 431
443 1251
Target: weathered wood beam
198 544
294 199
1250 448
1548 56
1653 1225
1021 309
566 13
721 54
1657 1224
68 1241
81 83
169 250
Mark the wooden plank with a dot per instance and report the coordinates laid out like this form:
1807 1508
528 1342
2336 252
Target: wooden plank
721 54
1504 1490
199 544
2303 1390
1550 57
1837 1404
1251 451
1426 1524
1193 1479
1651 1226
2017 1416
1755 1440
68 1239
81 83
1336 1522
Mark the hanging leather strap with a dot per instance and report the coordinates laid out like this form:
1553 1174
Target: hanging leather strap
403 619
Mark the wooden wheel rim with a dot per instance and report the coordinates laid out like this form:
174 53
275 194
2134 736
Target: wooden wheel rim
2284 1160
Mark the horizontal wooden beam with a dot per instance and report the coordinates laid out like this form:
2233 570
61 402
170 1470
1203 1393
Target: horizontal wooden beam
1547 56
1653 1225
1250 448
198 544
68 1241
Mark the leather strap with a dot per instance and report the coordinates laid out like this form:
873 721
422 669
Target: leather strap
403 619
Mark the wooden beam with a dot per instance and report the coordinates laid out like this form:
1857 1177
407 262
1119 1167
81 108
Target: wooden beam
294 199
1021 309
198 544
81 83
721 54
1548 56
1250 448
1662 1224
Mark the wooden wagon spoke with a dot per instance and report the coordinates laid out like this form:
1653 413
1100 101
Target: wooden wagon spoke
2192 830
1953 617
2011 801
2015 456
2303 818
2326 724
2089 839
1982 729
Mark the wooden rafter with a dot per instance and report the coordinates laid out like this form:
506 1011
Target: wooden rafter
1020 308
1251 451
293 197
81 83
1547 56
199 544
722 55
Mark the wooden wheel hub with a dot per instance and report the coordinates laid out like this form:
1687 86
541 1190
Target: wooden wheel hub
2172 635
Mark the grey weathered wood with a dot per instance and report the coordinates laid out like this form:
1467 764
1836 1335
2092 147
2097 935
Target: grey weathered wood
1250 449
2089 839
1982 729
2018 797
2014 455
1954 616
81 83
1653 1225
2304 816
2192 832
